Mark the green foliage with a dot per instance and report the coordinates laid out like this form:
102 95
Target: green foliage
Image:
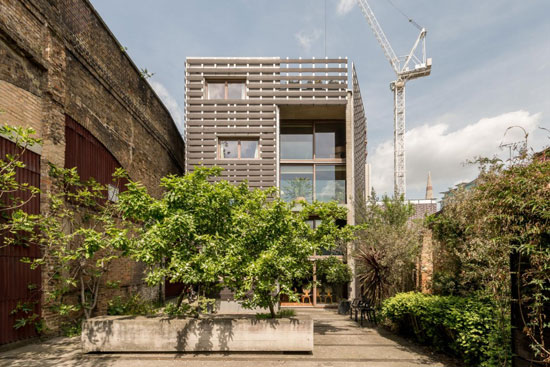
289 312
13 194
79 237
207 305
332 270
204 231
465 327
387 248
506 215
71 328
185 309
133 305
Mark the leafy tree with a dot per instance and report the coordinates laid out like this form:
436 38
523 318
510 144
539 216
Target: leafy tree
183 235
14 194
387 248
205 231
79 236
273 244
332 271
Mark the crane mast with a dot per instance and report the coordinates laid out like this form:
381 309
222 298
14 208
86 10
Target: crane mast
400 65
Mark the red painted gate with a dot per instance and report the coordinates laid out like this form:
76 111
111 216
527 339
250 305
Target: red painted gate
18 283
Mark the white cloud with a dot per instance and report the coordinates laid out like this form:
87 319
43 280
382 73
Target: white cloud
306 39
345 6
434 148
170 103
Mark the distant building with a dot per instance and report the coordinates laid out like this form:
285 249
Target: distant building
426 206
543 155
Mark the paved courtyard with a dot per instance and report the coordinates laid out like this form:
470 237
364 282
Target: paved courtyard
338 341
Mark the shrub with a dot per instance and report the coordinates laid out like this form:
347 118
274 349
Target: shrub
280 315
184 309
133 305
464 327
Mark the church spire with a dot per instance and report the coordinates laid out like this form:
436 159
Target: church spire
429 188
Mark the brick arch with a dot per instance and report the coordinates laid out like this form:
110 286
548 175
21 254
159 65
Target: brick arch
89 155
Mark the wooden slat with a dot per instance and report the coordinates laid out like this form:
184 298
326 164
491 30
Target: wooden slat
233 70
239 61
313 70
296 93
292 77
231 115
301 86
314 61
241 108
233 130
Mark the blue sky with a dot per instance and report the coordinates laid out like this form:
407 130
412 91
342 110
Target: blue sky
491 66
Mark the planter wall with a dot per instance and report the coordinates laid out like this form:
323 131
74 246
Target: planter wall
211 334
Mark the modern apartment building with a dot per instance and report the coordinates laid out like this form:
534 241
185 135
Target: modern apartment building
297 124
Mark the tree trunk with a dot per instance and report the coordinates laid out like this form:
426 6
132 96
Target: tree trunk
272 310
180 297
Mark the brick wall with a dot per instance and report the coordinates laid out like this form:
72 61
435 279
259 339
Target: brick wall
58 58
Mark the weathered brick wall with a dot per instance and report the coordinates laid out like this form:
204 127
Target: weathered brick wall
58 58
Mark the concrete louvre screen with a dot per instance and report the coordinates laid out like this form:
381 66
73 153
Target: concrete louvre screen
210 334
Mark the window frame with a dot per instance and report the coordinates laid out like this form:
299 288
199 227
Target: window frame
238 140
315 159
226 83
314 176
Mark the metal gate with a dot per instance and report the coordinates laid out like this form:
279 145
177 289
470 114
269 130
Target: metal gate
18 283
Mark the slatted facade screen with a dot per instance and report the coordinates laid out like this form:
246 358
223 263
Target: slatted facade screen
360 141
269 82
15 276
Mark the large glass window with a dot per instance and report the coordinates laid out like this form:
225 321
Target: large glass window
330 140
313 140
229 89
235 149
330 183
313 182
297 182
297 141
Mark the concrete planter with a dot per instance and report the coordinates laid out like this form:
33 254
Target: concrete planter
211 334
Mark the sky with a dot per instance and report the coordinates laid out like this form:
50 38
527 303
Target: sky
491 67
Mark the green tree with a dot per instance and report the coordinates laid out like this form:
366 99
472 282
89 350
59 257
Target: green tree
79 236
273 244
205 231
183 235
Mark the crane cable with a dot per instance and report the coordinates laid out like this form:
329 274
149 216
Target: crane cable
405 15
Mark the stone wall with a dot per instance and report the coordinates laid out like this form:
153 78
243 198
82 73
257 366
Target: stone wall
58 58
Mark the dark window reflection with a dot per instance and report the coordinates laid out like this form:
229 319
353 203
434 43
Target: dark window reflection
297 141
330 140
330 183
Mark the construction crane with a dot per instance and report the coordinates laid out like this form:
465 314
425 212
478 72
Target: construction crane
403 68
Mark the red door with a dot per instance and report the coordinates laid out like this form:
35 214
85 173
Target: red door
18 283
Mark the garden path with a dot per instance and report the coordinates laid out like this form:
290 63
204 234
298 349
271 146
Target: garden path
338 341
